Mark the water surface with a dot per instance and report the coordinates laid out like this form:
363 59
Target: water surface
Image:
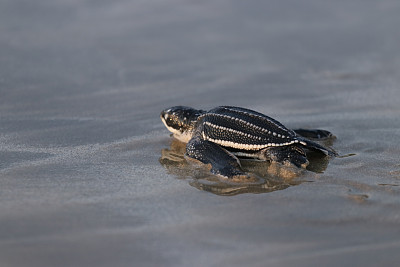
82 180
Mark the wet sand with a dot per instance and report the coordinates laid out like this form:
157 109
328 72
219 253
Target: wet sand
89 176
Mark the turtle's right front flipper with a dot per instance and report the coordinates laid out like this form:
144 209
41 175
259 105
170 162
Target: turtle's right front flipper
222 162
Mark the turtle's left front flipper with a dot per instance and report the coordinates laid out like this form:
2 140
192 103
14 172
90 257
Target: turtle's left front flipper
222 162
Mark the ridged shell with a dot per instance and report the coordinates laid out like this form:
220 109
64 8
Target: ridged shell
244 129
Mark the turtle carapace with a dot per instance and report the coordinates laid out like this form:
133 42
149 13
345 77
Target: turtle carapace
221 135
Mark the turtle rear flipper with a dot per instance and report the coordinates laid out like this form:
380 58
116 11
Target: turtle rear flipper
314 133
287 155
317 147
222 162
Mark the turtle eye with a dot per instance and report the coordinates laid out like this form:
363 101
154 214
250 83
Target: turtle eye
168 120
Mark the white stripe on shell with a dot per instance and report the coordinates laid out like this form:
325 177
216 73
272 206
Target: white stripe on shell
222 128
258 128
255 115
248 146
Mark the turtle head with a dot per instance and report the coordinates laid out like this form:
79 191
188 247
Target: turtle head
181 120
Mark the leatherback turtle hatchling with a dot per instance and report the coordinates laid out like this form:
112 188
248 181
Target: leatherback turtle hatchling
221 135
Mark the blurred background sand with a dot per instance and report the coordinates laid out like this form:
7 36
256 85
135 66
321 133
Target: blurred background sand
82 176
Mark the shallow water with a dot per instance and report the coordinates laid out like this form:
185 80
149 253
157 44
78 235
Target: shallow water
86 176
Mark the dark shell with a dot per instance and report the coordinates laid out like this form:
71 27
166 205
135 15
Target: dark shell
245 129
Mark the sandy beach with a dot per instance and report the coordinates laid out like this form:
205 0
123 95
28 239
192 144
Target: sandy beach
89 175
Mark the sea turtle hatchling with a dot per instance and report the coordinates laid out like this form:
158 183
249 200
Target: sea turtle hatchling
221 135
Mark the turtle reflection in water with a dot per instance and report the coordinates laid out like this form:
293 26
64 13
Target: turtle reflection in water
268 177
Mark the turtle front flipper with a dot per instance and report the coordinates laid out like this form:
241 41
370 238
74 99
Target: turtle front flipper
222 162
